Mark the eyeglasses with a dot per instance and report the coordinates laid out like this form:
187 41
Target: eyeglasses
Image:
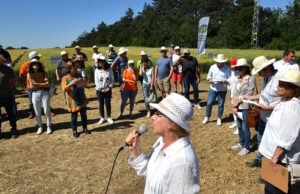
159 114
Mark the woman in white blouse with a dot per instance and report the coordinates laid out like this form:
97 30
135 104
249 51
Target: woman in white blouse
172 165
104 80
281 137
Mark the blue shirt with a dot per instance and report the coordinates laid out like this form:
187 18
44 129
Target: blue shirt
121 63
164 64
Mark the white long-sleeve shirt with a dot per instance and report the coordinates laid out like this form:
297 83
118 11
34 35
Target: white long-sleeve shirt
219 74
173 170
282 130
104 79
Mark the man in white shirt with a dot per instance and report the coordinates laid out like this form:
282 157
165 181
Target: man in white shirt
287 62
95 56
218 77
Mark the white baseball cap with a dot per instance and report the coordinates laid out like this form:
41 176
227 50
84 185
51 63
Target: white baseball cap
163 48
33 54
63 53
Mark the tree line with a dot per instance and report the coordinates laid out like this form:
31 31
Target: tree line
176 21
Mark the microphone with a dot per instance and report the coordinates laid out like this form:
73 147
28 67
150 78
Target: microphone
142 130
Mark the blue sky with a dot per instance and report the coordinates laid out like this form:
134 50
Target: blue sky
51 23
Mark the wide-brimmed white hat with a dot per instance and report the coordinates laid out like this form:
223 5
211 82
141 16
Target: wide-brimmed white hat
242 62
122 50
292 76
143 53
163 48
33 54
95 47
63 53
110 46
260 63
176 47
177 108
220 58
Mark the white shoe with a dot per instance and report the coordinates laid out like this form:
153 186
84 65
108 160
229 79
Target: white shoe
198 106
236 147
219 122
244 151
110 120
101 121
233 125
39 131
49 130
236 132
205 120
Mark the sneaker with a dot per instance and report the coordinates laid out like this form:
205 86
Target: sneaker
244 151
14 134
86 131
198 106
110 120
233 125
219 122
31 116
39 131
75 134
52 114
236 132
236 147
254 163
101 121
49 130
205 120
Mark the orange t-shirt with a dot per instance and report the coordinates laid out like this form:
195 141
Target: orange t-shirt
129 86
24 70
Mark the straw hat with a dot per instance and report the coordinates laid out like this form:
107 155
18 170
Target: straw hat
95 47
163 48
77 47
220 58
233 62
292 76
33 54
122 50
242 62
110 46
143 53
177 108
260 63
63 53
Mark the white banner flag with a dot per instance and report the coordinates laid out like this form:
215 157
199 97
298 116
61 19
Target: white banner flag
202 33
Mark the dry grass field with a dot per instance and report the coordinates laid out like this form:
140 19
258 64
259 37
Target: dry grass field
59 163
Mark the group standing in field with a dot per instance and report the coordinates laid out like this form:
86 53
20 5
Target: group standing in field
278 100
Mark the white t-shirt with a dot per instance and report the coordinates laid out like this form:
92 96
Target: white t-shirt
95 56
174 58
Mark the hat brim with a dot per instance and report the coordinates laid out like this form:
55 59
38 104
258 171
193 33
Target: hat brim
220 61
287 80
172 117
120 53
242 65
269 62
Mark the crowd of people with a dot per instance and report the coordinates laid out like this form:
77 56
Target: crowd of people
278 124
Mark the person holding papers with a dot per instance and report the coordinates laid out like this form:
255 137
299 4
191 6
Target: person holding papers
281 139
244 87
217 76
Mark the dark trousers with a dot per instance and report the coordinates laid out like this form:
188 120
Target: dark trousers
74 116
104 97
8 104
187 82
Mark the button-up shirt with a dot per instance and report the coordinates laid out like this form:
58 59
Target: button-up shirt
282 130
282 66
269 95
173 170
219 74
104 79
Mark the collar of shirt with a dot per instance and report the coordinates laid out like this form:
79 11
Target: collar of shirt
176 146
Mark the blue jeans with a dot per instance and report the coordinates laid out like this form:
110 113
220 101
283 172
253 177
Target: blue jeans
210 100
120 76
74 116
187 82
244 131
260 131
146 89
101 98
7 103
125 95
31 110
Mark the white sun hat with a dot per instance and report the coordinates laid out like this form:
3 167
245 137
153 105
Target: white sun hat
110 46
33 54
63 53
95 47
220 58
260 63
122 50
177 108
292 76
143 53
242 62
163 48
176 47
130 62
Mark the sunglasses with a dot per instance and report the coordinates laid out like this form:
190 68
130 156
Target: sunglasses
159 114
239 68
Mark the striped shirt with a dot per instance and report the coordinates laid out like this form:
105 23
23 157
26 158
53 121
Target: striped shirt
75 97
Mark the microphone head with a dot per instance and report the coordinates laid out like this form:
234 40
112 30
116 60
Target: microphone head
143 129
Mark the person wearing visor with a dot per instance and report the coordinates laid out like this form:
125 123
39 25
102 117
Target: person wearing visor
172 165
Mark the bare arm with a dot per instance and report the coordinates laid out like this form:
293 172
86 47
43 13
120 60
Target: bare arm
171 72
57 75
278 152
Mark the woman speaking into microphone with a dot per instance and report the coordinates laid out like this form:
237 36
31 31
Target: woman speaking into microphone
172 165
